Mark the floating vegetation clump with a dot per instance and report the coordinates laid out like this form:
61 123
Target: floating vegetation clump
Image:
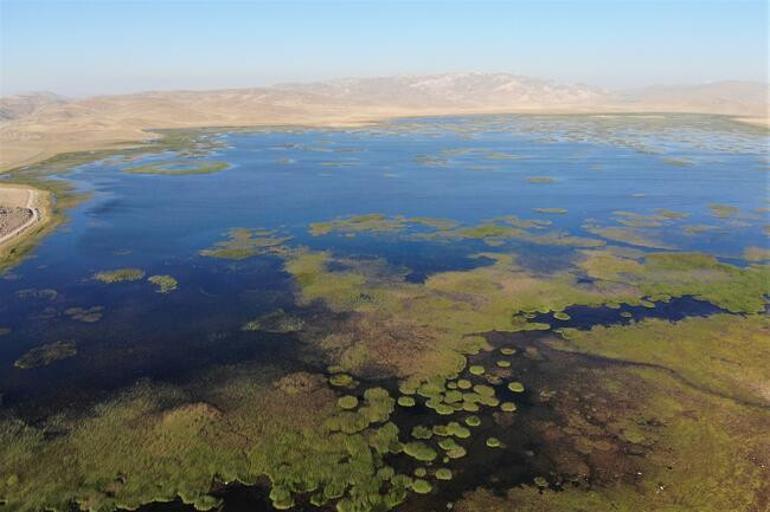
561 315
443 474
406 401
347 402
541 179
493 442
516 387
164 282
342 380
87 315
46 354
421 486
119 275
35 293
178 168
246 243
553 211
278 322
420 451
723 211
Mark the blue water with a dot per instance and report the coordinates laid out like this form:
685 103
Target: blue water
285 179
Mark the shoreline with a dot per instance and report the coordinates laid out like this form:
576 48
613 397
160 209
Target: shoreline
17 241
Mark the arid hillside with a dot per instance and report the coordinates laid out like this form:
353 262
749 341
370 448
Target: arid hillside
36 127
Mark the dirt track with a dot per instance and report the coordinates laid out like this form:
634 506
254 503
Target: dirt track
19 210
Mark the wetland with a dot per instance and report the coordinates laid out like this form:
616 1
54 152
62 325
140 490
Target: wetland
478 313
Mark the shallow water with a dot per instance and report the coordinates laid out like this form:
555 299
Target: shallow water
464 169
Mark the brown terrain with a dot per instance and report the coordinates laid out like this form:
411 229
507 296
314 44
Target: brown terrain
38 126
20 209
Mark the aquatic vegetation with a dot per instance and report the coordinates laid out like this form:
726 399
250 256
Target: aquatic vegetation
561 315
516 387
723 211
342 380
119 275
473 421
246 243
421 486
38 294
628 235
278 322
347 402
736 347
406 401
476 370
46 354
443 474
164 282
422 432
677 274
178 168
554 211
502 363
541 179
507 351
87 315
756 254
420 451
493 442
508 407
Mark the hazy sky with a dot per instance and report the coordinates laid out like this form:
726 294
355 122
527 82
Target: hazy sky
108 46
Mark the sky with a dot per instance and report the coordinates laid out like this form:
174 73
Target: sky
80 48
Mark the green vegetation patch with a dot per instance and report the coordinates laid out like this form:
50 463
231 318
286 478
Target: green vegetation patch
119 275
178 168
245 243
278 322
725 354
164 282
46 354
545 180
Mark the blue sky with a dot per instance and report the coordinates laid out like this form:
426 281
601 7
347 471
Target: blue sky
105 46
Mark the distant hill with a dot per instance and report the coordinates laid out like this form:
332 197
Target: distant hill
34 127
13 107
730 97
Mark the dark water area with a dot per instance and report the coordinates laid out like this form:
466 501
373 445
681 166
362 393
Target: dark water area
586 317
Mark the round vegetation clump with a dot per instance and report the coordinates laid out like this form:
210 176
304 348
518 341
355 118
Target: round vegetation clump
406 401
507 351
420 451
477 370
473 421
420 472
647 304
503 363
421 486
464 384
508 407
342 380
516 387
493 442
452 448
347 402
443 474
165 283
561 315
422 432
